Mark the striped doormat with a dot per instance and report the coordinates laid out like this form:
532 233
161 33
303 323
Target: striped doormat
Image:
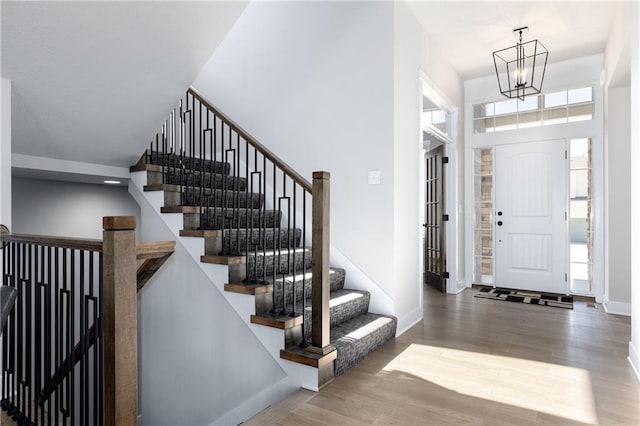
531 297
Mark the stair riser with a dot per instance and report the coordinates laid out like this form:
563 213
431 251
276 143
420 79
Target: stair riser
218 198
236 240
206 180
261 266
175 161
239 218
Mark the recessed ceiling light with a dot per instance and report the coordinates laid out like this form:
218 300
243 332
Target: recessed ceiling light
112 182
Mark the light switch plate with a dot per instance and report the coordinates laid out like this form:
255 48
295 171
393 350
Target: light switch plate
374 177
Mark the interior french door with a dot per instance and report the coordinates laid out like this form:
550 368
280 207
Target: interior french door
531 216
434 233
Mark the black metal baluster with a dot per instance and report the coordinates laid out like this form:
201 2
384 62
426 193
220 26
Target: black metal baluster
84 329
71 341
100 340
38 278
273 230
303 241
58 336
263 211
48 312
246 197
291 243
236 197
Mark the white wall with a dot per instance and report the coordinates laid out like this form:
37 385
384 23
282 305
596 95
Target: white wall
67 209
335 86
199 363
634 344
573 73
617 297
413 54
313 81
5 153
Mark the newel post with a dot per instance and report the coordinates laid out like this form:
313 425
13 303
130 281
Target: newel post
120 321
320 338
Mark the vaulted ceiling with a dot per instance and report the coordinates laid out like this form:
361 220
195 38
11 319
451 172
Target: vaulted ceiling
92 81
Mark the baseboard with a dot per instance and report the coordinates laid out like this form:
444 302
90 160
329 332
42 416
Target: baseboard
634 359
616 308
409 320
462 284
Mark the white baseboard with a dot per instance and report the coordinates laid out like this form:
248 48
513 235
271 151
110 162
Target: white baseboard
634 359
617 308
409 320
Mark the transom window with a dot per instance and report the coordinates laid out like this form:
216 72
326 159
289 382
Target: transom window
566 106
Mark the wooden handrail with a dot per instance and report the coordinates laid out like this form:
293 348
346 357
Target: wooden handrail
254 142
146 250
62 242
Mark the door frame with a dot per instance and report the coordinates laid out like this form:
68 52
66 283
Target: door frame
559 132
431 91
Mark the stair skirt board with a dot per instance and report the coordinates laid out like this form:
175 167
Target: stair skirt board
355 332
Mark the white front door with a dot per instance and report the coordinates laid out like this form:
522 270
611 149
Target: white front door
530 219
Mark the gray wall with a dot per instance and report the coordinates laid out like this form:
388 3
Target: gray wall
67 209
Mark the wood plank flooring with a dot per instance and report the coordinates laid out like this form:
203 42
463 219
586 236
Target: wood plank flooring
477 361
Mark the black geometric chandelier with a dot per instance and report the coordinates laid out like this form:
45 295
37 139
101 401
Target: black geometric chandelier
520 68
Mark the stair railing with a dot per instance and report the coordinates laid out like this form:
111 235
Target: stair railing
70 345
258 203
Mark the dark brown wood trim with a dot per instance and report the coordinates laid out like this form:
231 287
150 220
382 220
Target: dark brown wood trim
277 321
162 187
301 356
202 233
320 330
251 289
154 249
223 260
180 209
63 242
120 322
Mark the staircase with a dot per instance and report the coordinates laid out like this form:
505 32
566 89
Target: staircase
251 212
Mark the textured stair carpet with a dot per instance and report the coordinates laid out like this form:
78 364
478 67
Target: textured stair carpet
275 255
529 297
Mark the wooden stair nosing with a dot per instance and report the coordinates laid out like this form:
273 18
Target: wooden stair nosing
202 233
277 321
223 260
180 209
162 187
301 356
252 289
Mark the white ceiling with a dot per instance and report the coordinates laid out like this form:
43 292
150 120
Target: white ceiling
467 33
92 81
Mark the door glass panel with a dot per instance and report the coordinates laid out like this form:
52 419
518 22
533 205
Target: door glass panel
580 217
483 215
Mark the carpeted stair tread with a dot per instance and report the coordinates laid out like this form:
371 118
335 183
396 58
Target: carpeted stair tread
212 218
357 338
195 196
344 305
205 180
259 239
177 161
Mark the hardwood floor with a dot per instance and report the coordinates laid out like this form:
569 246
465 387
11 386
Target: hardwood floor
477 361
